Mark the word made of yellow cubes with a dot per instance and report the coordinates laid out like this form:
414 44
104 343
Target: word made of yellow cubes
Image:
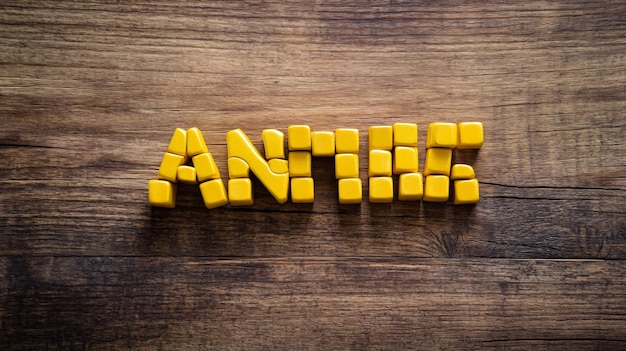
393 155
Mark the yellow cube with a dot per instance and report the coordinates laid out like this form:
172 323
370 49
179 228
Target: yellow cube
240 192
347 141
186 174
161 193
441 135
405 159
302 190
195 142
213 193
410 187
346 166
405 134
461 171
438 161
178 143
206 168
323 144
238 168
299 164
169 166
436 188
273 143
379 163
350 191
470 135
466 192
381 189
299 138
380 138
279 166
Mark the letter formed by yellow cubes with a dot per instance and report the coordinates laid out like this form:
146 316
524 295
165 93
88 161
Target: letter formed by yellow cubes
350 187
240 146
182 146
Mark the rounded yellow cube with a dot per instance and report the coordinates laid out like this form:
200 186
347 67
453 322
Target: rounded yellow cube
441 135
240 192
347 141
438 161
302 190
436 188
299 138
405 134
381 189
350 191
462 171
161 193
379 163
470 135
466 192
404 160
213 193
410 187
346 166
380 138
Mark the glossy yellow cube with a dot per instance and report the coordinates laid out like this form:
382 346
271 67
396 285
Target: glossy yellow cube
273 143
186 174
206 168
278 166
410 187
213 193
405 134
302 190
347 141
346 166
379 163
441 135
436 188
178 143
381 189
299 164
299 138
195 142
238 168
240 192
466 192
350 191
169 166
462 171
438 161
380 137
404 159
323 144
161 193
470 135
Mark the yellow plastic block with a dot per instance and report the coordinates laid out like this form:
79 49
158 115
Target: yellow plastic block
323 144
346 166
404 159
438 161
302 190
178 143
238 168
299 138
405 134
195 142
240 192
379 163
470 135
350 191
186 174
239 145
206 168
466 192
169 166
278 166
436 188
273 143
213 193
161 193
461 171
410 187
381 189
441 135
380 137
299 164
347 141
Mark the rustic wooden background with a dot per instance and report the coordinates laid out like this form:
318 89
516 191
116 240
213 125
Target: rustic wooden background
91 92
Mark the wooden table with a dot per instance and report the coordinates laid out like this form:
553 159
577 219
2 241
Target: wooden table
91 93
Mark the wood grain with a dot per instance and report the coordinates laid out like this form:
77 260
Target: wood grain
91 92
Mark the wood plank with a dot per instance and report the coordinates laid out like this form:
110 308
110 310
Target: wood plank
164 303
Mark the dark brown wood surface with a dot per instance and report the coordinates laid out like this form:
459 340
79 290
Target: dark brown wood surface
91 92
